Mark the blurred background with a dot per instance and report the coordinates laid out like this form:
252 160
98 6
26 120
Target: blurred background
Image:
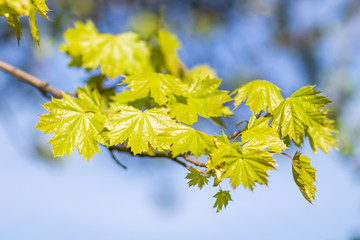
290 43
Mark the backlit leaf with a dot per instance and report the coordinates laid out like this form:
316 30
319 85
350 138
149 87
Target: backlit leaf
244 165
161 86
138 128
115 54
12 9
304 176
261 96
169 45
75 122
299 112
258 129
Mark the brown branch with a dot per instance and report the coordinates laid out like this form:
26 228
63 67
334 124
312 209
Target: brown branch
125 149
189 159
42 86
285 154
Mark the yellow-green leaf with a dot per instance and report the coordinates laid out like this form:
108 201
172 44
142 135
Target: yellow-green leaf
138 128
184 138
115 54
168 46
258 129
304 176
204 99
299 112
244 165
222 199
261 96
196 178
12 9
161 86
75 122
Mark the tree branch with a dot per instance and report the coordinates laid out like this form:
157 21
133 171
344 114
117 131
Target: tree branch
124 148
42 86
189 159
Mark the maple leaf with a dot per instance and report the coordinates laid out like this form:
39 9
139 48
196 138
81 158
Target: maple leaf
244 165
168 46
222 199
322 137
203 99
184 138
138 128
75 122
114 54
258 129
11 10
299 112
161 86
304 176
260 95
196 178
200 72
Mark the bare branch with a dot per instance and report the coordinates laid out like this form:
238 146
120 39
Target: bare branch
42 86
124 148
189 159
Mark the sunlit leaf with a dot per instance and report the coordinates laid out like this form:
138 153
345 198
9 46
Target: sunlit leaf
75 122
138 128
261 96
304 176
169 45
299 112
13 9
161 86
258 129
115 54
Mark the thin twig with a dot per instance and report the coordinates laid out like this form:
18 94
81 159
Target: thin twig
42 86
285 154
189 159
116 160
124 148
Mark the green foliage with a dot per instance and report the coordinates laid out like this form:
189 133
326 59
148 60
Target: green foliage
196 178
222 199
116 54
304 176
13 9
75 122
151 111
260 95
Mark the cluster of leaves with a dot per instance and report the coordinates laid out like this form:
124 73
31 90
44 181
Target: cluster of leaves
151 111
13 9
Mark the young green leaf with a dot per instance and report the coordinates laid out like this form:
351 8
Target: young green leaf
11 10
222 199
136 127
200 72
322 137
196 178
75 122
184 138
304 176
258 129
299 112
260 95
114 54
204 99
244 165
161 86
168 46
